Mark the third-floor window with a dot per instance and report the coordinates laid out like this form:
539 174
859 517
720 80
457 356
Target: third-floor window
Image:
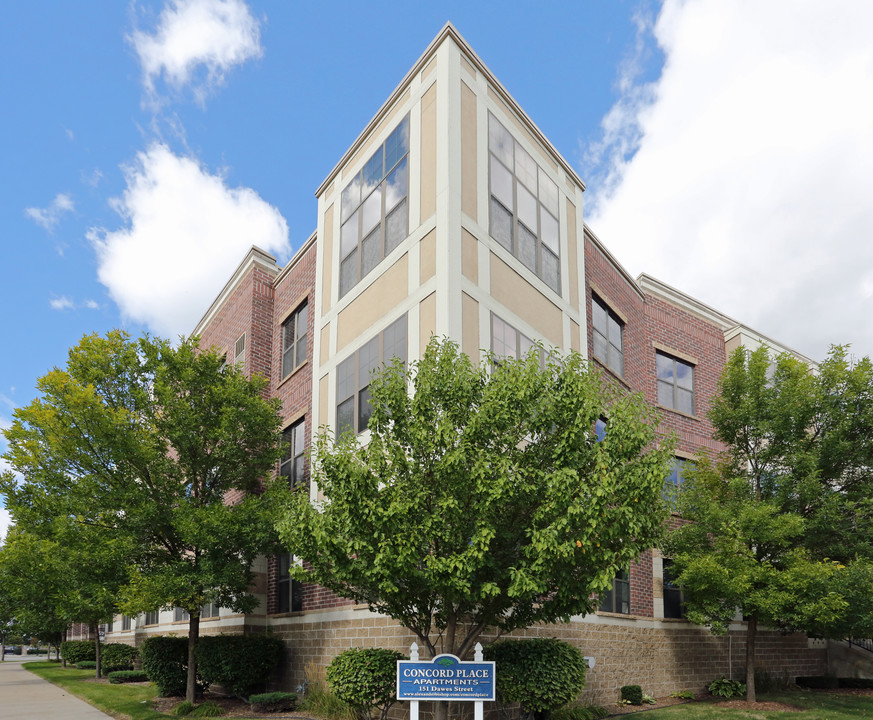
607 331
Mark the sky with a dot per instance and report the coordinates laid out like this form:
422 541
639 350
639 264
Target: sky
727 148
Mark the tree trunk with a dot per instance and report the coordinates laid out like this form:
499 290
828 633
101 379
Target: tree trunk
2 648
63 640
193 636
441 709
95 629
751 633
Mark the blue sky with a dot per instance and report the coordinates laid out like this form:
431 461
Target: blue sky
726 146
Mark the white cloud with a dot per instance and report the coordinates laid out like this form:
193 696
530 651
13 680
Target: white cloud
185 232
742 175
91 304
61 303
195 43
50 216
93 179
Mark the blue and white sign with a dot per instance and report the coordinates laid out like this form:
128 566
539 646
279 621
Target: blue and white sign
445 678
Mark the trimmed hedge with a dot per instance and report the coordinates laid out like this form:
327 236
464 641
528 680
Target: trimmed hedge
240 663
632 694
165 662
541 674
365 679
74 651
273 702
37 651
126 676
87 665
117 656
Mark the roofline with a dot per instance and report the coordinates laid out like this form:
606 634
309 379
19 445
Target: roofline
589 233
769 342
448 31
297 257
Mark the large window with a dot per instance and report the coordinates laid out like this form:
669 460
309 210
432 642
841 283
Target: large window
506 341
209 611
524 206
607 331
289 591
292 465
125 622
294 339
375 209
180 614
674 602
353 407
617 598
675 383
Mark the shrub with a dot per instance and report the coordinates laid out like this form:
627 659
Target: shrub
74 651
818 682
632 694
165 661
240 663
317 698
183 708
365 679
117 656
207 709
580 712
541 674
118 677
37 651
273 702
682 694
722 687
87 665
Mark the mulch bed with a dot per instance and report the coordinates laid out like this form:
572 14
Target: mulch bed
233 707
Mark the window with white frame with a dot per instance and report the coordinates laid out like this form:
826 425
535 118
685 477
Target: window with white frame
675 383
524 206
353 407
507 342
294 339
375 209
291 467
607 330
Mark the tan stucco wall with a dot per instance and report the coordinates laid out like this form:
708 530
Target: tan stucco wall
426 321
469 256
470 327
515 293
427 257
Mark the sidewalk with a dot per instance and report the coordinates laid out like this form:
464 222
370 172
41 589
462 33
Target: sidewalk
24 695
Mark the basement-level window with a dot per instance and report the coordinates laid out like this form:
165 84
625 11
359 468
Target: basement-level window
617 598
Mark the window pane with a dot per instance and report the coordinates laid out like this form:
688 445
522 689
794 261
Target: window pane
288 361
501 224
527 247
373 173
351 197
371 212
548 193
345 416
684 401
396 226
348 273
500 141
298 470
365 409
598 317
394 341
600 346
397 144
301 352
501 184
665 394
684 375
550 270
396 186
302 320
527 209
600 428
665 367
524 345
299 437
368 361
525 168
623 596
349 235
345 379
549 232
614 333
371 251
606 601
616 360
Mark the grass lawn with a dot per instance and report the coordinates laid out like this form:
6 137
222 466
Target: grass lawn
113 699
816 706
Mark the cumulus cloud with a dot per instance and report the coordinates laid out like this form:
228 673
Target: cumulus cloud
195 44
61 303
742 174
49 217
184 233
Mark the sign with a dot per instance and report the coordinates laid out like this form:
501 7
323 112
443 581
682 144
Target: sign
445 678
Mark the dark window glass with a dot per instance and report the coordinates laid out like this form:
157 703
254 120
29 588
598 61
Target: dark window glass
179 614
673 483
506 341
291 466
294 339
674 605
125 622
152 618
289 593
600 428
607 330
617 599
675 383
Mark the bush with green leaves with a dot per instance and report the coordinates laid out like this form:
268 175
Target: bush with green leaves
580 712
117 656
87 665
682 695
632 694
239 663
541 674
165 661
74 651
117 677
37 651
273 702
365 679
723 687
207 709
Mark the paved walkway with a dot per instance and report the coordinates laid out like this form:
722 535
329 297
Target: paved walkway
24 695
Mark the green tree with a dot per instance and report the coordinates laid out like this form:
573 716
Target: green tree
758 537
165 448
483 498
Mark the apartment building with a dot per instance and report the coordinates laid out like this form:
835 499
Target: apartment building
453 215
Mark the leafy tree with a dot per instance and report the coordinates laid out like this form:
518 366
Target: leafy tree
164 448
758 538
483 498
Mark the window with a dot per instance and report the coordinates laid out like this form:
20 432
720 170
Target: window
674 601
375 211
294 340
179 614
239 350
209 610
289 591
292 464
524 206
600 428
675 383
353 408
152 618
125 622
506 341
607 331
617 599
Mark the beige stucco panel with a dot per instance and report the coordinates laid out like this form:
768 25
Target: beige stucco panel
469 256
732 344
572 255
468 66
322 402
574 336
383 295
327 260
324 343
470 327
428 69
367 147
428 153
427 257
469 195
426 322
514 292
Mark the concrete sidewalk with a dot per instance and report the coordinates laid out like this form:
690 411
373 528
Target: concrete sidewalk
24 695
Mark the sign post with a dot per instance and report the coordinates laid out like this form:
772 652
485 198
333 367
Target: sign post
446 677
